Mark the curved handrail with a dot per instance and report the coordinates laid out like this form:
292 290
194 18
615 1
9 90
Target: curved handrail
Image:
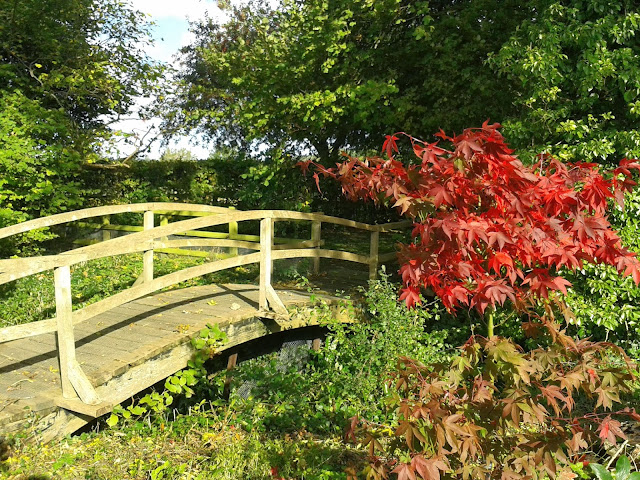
76 215
142 241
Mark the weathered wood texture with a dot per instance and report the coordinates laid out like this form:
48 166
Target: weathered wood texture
127 349
144 241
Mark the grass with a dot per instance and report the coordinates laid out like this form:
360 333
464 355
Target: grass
197 445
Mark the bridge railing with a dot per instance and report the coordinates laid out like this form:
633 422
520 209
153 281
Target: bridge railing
153 238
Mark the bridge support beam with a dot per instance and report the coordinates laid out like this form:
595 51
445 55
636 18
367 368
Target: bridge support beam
266 262
268 298
73 379
373 254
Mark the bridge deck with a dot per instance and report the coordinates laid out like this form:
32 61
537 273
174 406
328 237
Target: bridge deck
129 348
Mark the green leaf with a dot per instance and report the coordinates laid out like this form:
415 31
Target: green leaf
600 472
112 421
623 468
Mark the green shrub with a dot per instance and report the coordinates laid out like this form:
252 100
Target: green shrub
344 377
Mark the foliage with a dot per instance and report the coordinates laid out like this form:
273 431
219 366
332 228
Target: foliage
178 154
152 181
488 229
311 76
576 67
82 57
495 411
622 471
247 183
181 384
604 304
343 378
68 68
199 445
39 174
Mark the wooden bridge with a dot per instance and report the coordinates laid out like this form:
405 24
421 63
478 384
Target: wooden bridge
60 373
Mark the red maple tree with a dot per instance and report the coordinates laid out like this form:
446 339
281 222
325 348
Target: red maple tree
487 228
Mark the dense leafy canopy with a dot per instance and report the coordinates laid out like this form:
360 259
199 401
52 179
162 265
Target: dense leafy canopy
328 75
576 68
67 69
497 412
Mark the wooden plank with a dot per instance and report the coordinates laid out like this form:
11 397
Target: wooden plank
102 211
316 232
176 314
116 319
26 349
82 385
106 234
64 325
266 262
144 375
209 210
320 252
231 364
147 257
205 243
373 255
118 341
79 406
15 332
274 301
233 234
183 253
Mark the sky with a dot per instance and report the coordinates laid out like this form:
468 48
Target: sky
170 33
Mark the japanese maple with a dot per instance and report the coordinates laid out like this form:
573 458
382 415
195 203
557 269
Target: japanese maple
497 412
487 228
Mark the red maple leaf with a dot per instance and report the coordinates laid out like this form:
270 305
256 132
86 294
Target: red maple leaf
489 229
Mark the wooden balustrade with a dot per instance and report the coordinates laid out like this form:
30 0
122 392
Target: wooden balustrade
150 238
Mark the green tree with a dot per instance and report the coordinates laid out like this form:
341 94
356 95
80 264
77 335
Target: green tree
326 76
177 154
576 65
68 68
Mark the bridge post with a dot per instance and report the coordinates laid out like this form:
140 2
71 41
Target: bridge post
106 234
164 220
233 232
373 254
64 333
266 264
316 229
72 378
147 258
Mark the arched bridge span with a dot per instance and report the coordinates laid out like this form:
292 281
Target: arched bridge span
79 364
